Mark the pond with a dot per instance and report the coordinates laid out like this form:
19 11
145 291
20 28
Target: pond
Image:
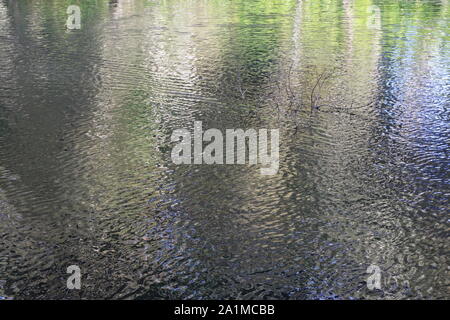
359 90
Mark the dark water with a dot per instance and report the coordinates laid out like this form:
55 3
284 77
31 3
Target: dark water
85 171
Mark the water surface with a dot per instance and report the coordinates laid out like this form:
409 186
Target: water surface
85 171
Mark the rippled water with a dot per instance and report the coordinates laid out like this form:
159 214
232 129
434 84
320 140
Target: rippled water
85 171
